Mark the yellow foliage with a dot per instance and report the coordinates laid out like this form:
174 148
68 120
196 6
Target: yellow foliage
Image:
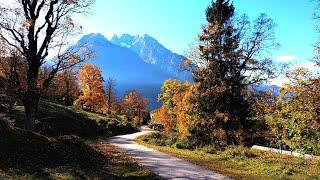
162 116
296 117
92 88
178 106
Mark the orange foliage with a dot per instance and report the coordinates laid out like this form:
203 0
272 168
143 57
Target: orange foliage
162 116
63 89
136 106
178 106
92 88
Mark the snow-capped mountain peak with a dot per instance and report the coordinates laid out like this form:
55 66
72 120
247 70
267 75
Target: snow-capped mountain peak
152 52
94 38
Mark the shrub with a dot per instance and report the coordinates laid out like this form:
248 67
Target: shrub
122 118
157 142
112 126
209 149
4 126
157 127
184 144
154 138
171 138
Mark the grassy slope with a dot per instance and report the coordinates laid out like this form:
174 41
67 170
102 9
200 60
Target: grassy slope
58 120
26 155
243 163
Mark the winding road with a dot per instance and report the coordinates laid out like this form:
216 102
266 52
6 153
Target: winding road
164 165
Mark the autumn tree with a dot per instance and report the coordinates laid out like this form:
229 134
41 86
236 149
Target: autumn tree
68 86
92 93
162 116
177 111
296 120
64 88
136 106
35 28
12 74
229 60
262 104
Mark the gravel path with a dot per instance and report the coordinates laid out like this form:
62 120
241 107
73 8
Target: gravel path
163 164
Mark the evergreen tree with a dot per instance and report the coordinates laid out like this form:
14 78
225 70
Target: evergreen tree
227 65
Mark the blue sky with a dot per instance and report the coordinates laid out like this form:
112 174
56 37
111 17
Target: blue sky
176 23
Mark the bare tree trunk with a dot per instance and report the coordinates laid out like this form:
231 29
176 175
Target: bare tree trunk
31 113
31 102
31 98
109 100
139 114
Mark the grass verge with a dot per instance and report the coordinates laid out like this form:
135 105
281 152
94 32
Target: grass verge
241 162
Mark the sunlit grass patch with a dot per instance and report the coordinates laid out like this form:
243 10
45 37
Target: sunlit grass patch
242 162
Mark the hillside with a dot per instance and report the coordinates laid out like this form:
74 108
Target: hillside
68 144
27 155
59 120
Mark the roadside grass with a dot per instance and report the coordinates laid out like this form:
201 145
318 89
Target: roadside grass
98 117
241 162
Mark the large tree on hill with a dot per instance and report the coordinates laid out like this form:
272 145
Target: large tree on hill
91 81
227 63
34 28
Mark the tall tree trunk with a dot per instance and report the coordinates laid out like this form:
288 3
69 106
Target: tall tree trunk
31 97
31 102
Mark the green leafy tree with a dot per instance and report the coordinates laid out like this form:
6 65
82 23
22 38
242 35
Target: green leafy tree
296 120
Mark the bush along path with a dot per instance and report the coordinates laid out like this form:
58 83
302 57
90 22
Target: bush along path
163 164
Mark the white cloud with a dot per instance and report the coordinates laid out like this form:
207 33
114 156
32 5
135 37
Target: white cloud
286 58
280 81
311 66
